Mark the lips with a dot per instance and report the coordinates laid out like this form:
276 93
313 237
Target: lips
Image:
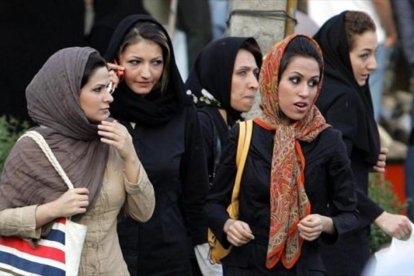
301 107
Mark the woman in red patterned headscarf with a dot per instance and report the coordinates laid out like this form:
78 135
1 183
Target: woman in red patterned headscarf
297 171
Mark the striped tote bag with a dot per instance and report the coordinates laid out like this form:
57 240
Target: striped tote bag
58 252
55 254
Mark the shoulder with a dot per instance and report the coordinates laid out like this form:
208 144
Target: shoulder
24 146
330 134
204 114
331 140
333 93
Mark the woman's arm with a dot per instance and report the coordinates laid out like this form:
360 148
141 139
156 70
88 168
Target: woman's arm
341 195
73 202
219 196
193 171
19 222
140 202
27 221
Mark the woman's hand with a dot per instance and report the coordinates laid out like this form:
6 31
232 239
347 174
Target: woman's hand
397 226
382 157
238 232
116 73
115 134
72 202
312 226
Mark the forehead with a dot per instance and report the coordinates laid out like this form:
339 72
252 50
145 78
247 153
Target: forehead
366 40
143 47
100 74
244 57
303 65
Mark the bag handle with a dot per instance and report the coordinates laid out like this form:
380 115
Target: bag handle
243 145
41 142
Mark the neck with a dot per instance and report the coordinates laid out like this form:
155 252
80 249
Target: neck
223 114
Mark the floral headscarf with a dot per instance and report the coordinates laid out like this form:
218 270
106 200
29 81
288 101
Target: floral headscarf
288 200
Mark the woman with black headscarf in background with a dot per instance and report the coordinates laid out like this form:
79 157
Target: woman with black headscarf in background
348 42
224 83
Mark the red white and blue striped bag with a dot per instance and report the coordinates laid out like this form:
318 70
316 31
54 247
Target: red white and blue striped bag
57 253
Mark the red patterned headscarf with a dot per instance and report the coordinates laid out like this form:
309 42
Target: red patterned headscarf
288 200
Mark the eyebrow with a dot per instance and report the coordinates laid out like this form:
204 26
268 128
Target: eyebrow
247 67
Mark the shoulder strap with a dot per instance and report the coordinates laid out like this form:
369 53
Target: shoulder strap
243 145
41 142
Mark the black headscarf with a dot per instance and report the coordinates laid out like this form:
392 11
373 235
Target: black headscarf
213 70
359 126
158 107
107 15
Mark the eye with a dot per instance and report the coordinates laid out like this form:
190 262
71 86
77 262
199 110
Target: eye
98 89
242 73
313 83
294 80
364 56
158 62
134 62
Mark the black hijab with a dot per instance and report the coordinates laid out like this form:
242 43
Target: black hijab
158 107
359 126
213 70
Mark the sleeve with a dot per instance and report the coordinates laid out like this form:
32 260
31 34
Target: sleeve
345 124
207 137
342 190
219 196
195 179
19 222
140 201
369 210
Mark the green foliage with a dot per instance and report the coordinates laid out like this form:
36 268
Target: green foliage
10 131
380 191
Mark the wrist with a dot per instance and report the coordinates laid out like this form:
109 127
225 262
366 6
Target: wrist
227 224
327 225
380 219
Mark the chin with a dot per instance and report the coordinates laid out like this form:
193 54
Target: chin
142 91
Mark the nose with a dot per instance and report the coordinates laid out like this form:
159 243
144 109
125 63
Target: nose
372 63
145 71
108 98
253 82
305 90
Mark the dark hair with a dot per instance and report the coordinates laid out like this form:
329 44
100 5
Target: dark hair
357 23
94 62
300 46
150 31
251 46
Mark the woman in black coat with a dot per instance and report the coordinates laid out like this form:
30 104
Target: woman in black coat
348 42
224 83
162 119
297 184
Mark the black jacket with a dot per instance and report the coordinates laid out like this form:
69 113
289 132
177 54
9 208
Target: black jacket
328 184
173 158
347 106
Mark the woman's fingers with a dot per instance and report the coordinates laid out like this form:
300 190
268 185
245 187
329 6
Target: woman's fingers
239 233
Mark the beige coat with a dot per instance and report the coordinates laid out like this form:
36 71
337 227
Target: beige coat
101 254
